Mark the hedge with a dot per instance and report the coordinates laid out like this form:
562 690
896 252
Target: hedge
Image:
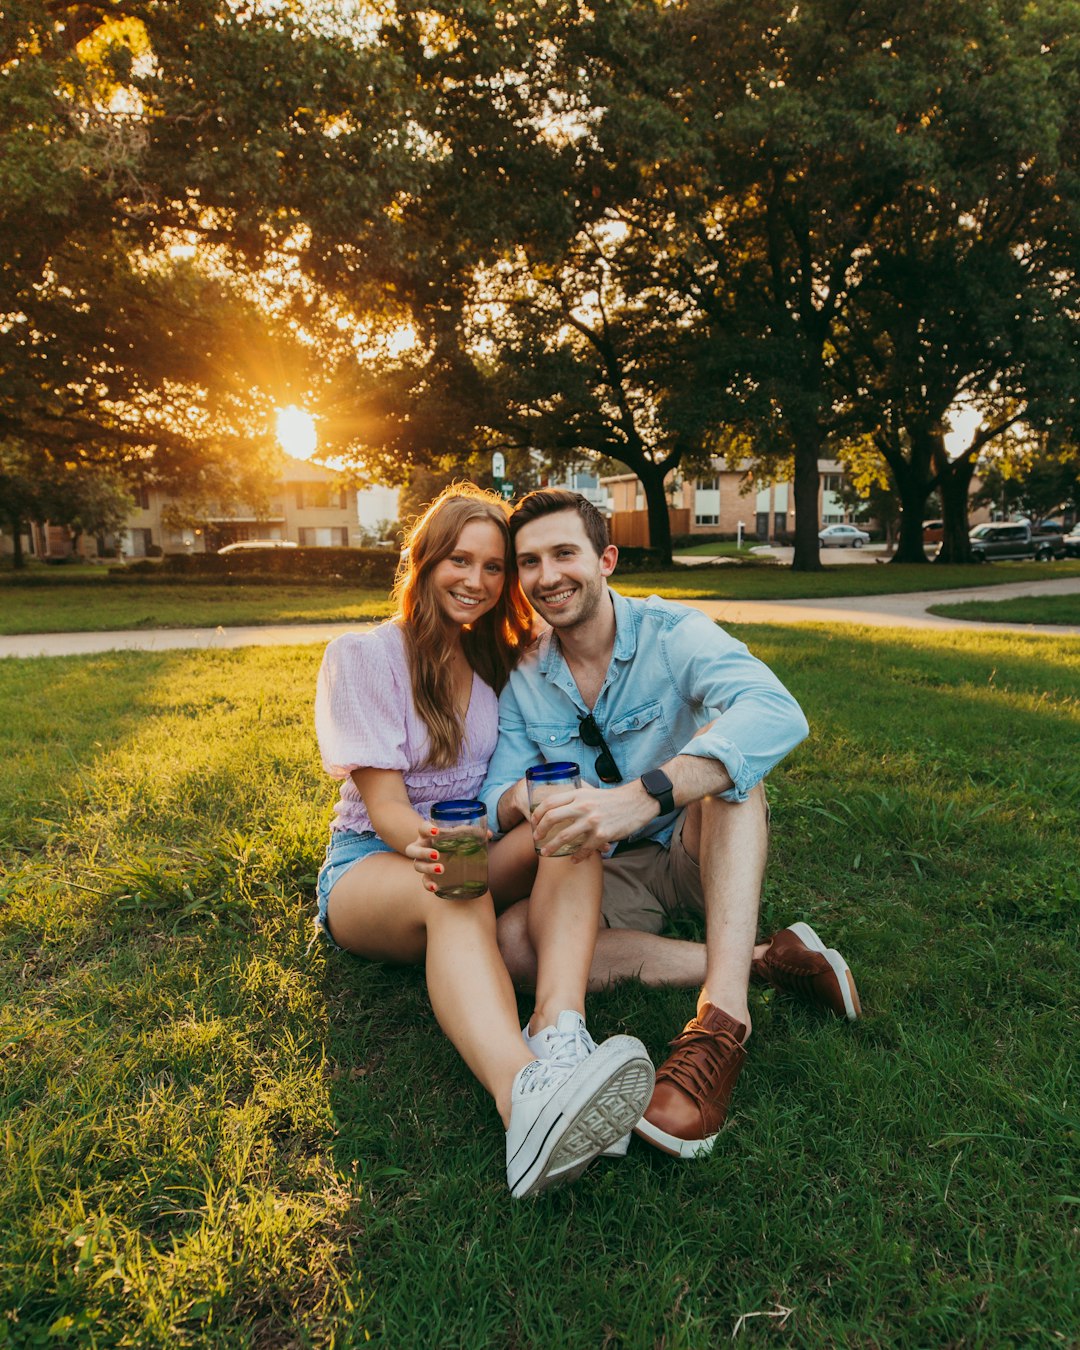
363 566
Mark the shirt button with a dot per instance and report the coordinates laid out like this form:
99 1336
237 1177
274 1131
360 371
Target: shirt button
551 738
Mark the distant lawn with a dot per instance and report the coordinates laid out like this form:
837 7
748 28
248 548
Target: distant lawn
89 600
1063 609
217 1135
99 605
725 550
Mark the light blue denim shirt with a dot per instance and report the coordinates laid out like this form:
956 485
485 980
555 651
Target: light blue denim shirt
672 672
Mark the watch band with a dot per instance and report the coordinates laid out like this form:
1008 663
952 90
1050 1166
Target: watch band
657 784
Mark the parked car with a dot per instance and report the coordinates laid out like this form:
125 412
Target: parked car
842 536
933 531
242 545
1014 539
1071 543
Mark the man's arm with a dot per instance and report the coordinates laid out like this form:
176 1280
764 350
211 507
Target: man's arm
602 816
753 723
504 787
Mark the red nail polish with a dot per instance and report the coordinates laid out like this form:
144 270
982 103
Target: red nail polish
434 857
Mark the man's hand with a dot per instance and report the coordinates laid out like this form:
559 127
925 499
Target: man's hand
513 806
591 817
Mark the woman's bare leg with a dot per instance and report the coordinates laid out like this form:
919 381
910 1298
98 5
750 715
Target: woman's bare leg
380 909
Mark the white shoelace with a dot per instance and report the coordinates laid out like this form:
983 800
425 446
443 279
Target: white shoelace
540 1075
570 1047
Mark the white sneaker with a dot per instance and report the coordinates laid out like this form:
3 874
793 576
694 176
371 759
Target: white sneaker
569 1042
562 1116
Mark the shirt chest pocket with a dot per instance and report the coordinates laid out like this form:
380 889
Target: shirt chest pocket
648 722
553 739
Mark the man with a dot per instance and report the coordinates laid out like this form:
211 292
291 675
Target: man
674 725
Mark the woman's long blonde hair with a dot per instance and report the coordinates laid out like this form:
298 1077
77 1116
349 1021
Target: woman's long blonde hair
492 645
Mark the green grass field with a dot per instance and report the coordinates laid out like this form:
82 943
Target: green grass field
1063 609
217 1134
89 600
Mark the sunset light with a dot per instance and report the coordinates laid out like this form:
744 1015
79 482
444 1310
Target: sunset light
296 432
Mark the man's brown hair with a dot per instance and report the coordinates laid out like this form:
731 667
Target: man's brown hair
547 501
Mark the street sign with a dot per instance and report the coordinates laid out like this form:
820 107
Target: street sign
498 465
507 490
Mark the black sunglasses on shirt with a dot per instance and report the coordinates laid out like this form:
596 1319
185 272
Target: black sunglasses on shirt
606 768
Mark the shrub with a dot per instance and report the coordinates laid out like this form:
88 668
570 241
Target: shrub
632 558
364 566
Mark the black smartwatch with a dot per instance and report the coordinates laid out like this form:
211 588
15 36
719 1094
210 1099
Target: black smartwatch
657 784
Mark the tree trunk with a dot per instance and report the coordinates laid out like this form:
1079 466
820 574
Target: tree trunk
911 475
955 486
652 480
807 482
17 558
910 548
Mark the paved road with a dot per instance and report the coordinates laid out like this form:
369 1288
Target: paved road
877 611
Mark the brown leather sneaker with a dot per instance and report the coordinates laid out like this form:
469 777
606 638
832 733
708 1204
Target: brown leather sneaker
799 963
694 1084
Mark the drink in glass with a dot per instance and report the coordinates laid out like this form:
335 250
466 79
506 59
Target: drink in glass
544 780
462 845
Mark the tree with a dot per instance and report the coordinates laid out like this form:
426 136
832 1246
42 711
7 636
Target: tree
148 320
1032 476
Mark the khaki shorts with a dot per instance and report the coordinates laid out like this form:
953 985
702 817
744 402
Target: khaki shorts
645 884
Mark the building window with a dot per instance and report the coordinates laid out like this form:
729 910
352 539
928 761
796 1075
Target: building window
780 522
142 498
140 542
707 501
324 536
761 524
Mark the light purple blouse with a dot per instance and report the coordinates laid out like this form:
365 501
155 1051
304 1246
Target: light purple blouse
365 718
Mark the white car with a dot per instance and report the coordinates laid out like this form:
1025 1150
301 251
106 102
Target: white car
842 536
244 544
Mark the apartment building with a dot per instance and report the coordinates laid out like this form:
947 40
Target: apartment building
306 506
721 501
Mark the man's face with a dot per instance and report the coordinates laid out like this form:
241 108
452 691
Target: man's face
563 578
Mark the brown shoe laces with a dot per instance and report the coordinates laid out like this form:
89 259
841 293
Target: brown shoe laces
700 1072
793 975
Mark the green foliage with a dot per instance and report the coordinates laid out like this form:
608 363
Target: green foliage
1032 477
369 567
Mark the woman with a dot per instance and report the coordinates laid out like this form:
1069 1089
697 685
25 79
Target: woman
407 715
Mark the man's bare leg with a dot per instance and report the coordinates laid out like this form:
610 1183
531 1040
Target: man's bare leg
620 954
730 841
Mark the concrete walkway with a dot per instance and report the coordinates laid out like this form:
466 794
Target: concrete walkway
876 611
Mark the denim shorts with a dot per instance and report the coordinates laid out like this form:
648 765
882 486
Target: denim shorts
344 850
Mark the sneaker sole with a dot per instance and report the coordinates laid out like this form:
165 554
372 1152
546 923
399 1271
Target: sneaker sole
671 1144
610 1090
840 968
618 1149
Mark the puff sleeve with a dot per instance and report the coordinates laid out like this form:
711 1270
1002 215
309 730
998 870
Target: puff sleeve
360 705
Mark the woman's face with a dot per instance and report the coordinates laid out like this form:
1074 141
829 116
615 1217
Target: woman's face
468 582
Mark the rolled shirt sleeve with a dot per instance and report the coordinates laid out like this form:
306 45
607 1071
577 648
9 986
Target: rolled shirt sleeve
755 720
